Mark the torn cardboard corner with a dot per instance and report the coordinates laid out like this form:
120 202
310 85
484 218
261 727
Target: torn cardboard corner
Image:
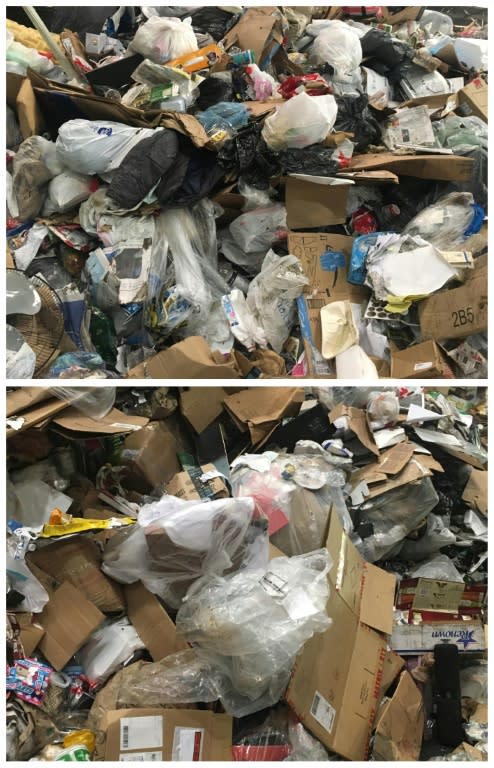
152 623
68 620
316 202
458 312
167 735
355 420
188 359
335 684
152 453
475 492
393 665
114 423
261 409
400 728
205 482
420 360
78 561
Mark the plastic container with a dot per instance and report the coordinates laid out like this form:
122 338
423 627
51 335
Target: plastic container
175 104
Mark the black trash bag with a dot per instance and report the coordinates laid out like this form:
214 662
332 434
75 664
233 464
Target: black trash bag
354 116
212 20
212 91
248 155
402 203
386 55
315 160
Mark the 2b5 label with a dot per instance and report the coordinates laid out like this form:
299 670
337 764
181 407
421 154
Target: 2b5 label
463 316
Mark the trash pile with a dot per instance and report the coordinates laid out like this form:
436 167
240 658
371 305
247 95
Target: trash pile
230 192
246 574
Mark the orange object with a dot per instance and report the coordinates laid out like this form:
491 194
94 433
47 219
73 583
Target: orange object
197 60
83 738
56 517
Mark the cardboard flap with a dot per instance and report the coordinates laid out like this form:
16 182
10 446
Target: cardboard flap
36 414
439 167
376 604
356 421
309 204
399 731
188 359
262 408
475 492
152 623
202 406
114 423
396 458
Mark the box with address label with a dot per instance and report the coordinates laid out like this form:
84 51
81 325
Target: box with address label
203 482
158 735
336 682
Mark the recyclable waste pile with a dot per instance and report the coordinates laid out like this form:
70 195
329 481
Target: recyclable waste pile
246 192
218 574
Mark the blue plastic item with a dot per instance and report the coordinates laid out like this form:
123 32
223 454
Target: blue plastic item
477 221
331 260
358 271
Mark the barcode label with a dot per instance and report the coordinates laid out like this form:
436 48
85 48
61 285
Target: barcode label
273 584
322 711
141 733
187 744
141 757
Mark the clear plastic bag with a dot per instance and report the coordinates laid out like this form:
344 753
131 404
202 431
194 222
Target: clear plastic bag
437 535
272 294
176 541
20 358
94 402
258 228
383 409
251 625
108 648
336 44
162 39
300 122
444 223
438 567
23 581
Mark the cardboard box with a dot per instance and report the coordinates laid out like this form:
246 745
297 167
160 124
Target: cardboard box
336 682
21 98
410 13
201 405
424 360
475 491
458 312
78 562
153 453
473 99
261 409
189 485
315 203
167 735
400 728
188 359
68 620
424 594
152 623
414 639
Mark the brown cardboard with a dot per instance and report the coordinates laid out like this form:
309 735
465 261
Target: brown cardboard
32 415
439 167
21 98
432 594
475 491
410 13
202 406
357 422
260 408
78 562
155 456
114 423
152 623
473 98
20 399
393 665
309 204
269 363
396 458
188 359
458 312
370 177
31 632
424 360
416 468
258 30
335 685
183 486
400 728
68 620
213 735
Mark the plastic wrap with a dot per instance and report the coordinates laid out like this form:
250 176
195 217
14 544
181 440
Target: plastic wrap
461 134
336 44
383 409
393 515
300 122
436 536
162 39
177 541
108 648
20 358
259 228
439 567
94 402
251 625
272 293
444 223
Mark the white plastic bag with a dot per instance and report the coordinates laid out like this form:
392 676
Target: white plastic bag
336 44
22 580
300 122
162 39
93 146
259 228
108 648
67 190
271 296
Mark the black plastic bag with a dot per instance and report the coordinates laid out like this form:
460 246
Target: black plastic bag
354 116
315 160
386 55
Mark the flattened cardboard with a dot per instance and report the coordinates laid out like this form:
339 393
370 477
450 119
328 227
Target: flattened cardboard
475 491
152 623
68 620
21 98
20 399
78 562
202 406
424 360
155 453
188 359
458 312
184 486
422 594
309 204
114 423
260 409
35 414
213 735
396 458
356 420
439 167
400 728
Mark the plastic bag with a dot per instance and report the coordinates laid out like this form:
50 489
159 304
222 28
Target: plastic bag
444 223
20 358
162 39
383 409
354 116
438 567
177 541
242 323
95 402
108 648
436 536
251 625
14 135
92 147
272 293
259 228
20 578
66 191
336 44
300 122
